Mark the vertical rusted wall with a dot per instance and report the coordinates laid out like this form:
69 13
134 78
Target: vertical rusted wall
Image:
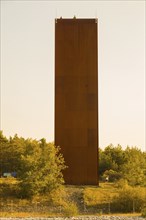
76 98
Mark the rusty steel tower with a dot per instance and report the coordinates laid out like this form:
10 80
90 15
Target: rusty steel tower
76 98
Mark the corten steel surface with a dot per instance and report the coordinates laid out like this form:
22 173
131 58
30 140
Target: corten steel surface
76 98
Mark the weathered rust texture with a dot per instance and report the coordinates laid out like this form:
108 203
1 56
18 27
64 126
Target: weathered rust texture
76 98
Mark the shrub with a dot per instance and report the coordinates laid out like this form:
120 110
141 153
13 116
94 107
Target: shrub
96 196
70 209
143 212
129 199
122 183
9 187
41 168
112 175
58 197
92 197
26 190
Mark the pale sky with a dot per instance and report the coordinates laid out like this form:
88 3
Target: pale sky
27 67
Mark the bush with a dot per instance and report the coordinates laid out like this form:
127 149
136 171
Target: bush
41 168
97 196
93 196
130 199
112 175
9 187
122 183
143 212
58 197
70 209
26 190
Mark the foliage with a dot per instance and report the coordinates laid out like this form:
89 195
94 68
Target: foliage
121 183
101 195
58 197
134 170
8 187
70 209
108 198
129 199
92 197
11 150
112 175
71 200
38 164
143 212
128 164
41 167
111 158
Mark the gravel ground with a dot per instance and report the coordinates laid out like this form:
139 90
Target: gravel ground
81 218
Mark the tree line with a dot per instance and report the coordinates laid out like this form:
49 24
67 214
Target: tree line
118 164
39 165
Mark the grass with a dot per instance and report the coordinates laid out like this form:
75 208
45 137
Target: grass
9 180
27 214
39 214
88 200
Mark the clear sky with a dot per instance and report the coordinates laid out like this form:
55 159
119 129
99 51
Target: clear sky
27 67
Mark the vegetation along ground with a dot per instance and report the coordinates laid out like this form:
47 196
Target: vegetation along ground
32 183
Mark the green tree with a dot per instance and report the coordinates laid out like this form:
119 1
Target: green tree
117 154
112 175
129 199
105 162
41 166
111 158
134 169
11 150
128 164
3 153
